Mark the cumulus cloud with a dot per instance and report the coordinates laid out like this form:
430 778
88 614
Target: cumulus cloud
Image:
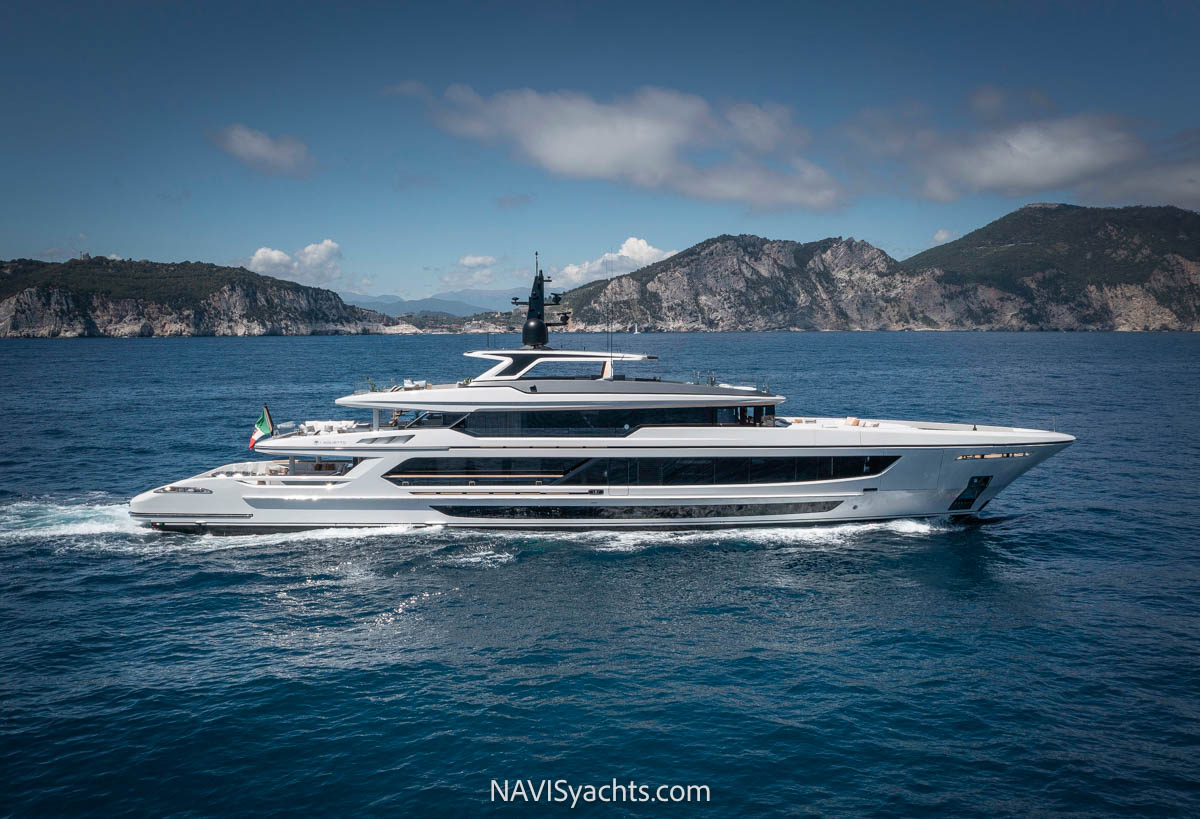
283 156
318 264
1011 158
1031 156
899 131
764 128
471 260
1001 141
1169 175
650 139
634 254
1163 183
944 235
472 270
472 277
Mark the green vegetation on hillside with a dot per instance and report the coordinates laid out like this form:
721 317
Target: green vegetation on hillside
178 284
1084 245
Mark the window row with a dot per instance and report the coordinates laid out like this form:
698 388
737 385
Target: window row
634 471
723 510
607 421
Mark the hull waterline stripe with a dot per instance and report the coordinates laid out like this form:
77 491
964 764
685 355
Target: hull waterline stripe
188 516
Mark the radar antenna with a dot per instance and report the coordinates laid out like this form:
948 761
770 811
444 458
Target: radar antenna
536 332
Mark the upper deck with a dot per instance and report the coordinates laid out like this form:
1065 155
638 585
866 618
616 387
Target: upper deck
512 384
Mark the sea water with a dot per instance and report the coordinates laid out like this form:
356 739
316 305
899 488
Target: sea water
1046 661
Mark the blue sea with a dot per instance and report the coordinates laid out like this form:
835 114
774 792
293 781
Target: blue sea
1045 662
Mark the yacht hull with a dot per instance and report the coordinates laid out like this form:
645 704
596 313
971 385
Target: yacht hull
924 482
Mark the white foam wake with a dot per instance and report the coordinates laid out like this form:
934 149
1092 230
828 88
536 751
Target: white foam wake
811 536
32 519
84 524
108 525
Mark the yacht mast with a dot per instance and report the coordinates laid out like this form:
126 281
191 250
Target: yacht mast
536 333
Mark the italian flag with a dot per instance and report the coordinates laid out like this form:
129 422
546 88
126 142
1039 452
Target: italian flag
262 427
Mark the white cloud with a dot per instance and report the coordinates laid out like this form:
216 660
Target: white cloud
944 235
1031 156
1169 174
321 258
280 155
472 270
271 262
469 278
763 128
317 264
471 260
650 139
114 257
892 132
1010 158
804 185
634 254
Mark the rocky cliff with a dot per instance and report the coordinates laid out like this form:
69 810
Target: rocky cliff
1044 267
104 297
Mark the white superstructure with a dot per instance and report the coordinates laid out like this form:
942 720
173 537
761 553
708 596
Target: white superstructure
517 447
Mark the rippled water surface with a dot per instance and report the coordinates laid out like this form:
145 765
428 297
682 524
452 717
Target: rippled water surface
1047 661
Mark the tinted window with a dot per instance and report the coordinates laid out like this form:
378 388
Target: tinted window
635 471
724 510
591 422
687 471
773 470
733 470
464 471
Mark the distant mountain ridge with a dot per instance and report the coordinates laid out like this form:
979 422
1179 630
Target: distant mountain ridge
460 303
122 298
498 300
1043 267
396 306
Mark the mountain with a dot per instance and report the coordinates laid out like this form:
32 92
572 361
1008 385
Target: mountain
107 297
498 301
1083 246
1043 267
741 283
396 306
460 303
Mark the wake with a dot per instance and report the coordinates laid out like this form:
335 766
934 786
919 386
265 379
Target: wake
89 523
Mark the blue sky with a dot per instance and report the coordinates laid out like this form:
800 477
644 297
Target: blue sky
412 149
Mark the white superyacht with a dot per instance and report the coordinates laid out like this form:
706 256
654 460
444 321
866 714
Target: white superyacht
522 447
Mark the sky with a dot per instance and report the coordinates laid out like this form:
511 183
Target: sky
412 149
